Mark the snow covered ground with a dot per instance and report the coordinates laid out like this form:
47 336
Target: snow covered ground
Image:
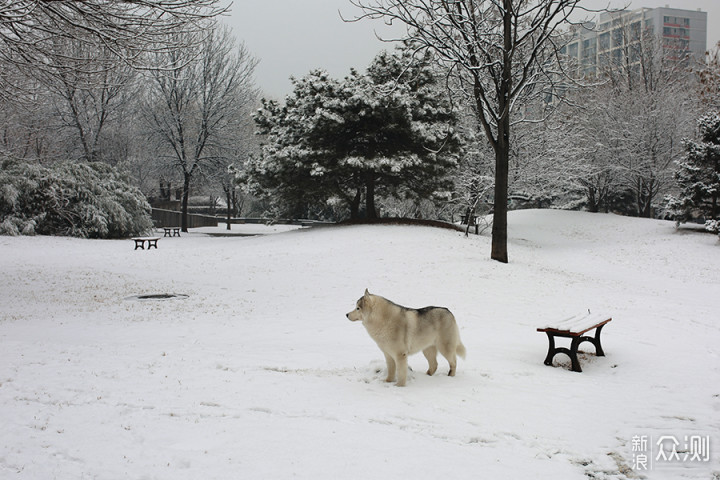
258 374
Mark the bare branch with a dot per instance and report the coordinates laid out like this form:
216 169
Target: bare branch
29 28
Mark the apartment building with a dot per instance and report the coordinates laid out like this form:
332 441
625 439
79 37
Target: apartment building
682 33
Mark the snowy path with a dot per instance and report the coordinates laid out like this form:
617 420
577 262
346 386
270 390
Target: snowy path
258 374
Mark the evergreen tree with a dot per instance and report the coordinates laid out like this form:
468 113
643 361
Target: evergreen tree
698 174
390 131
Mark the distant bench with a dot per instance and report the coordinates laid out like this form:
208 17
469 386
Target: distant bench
140 242
175 231
574 327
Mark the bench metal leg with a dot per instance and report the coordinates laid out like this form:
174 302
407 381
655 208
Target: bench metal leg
573 350
595 341
570 352
573 354
140 244
551 349
598 346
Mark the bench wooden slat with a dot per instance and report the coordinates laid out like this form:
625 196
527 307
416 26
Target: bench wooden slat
577 324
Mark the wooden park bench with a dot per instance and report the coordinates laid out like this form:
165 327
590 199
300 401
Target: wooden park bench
140 242
575 327
175 231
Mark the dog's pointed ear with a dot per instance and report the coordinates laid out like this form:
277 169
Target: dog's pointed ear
367 298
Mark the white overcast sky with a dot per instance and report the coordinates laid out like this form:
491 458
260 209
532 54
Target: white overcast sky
292 37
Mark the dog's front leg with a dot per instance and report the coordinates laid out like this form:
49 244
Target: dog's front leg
402 368
390 361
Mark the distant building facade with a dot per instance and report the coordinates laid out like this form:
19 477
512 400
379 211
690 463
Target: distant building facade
682 33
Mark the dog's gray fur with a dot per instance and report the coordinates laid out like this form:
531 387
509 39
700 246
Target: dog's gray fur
401 331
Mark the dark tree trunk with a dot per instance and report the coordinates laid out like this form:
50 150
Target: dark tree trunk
370 211
229 199
714 202
355 205
499 231
185 197
644 197
502 148
593 200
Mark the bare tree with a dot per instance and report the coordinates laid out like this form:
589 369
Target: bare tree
709 79
544 164
501 49
646 114
24 132
64 65
592 132
128 28
88 85
194 108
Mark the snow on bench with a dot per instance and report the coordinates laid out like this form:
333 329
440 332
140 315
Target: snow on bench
574 327
578 324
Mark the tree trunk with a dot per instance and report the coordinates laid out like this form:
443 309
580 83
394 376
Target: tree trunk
370 211
714 209
499 231
592 199
228 195
185 196
502 147
603 200
644 197
355 205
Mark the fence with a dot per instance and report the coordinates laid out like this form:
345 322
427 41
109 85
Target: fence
169 218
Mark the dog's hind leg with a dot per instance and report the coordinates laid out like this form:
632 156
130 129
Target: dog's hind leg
431 355
402 368
449 353
390 361
453 365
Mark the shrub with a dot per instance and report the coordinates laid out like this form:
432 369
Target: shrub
87 200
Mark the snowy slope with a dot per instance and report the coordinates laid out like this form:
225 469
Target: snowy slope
258 374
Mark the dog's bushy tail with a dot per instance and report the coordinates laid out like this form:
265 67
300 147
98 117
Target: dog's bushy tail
460 350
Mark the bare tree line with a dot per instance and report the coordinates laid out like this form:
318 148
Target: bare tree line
29 29
167 95
617 134
498 51
159 87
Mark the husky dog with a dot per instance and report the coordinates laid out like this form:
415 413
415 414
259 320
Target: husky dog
401 331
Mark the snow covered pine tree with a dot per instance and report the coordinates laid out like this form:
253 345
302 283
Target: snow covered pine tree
698 176
391 131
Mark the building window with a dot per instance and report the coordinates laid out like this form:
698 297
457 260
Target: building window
677 21
573 50
604 41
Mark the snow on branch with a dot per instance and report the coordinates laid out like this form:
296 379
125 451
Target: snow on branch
28 28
